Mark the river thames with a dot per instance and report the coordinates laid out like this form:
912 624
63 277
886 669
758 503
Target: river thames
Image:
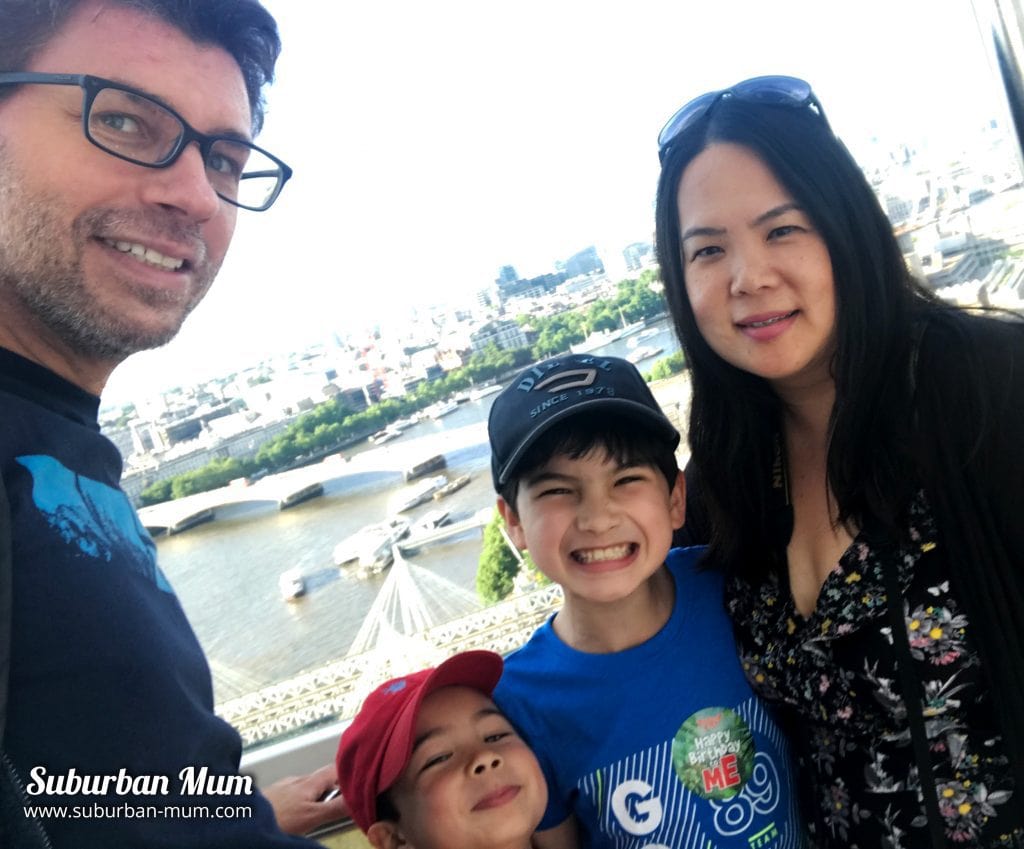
226 572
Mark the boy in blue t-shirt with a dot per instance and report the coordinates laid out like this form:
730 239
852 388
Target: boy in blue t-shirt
632 695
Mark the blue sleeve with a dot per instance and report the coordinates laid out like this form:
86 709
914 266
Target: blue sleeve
513 697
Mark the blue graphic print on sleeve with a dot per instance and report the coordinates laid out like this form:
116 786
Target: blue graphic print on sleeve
105 672
94 518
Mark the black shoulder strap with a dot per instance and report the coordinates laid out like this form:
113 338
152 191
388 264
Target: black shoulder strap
911 688
16 827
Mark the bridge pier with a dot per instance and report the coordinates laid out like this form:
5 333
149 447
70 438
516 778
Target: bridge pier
312 490
207 514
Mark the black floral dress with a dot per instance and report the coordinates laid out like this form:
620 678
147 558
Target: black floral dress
835 680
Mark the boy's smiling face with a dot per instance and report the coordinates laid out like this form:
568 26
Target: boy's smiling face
598 528
471 781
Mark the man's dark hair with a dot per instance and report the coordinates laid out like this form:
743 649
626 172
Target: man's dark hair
241 27
624 439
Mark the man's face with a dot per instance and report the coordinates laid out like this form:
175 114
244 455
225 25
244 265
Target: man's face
100 258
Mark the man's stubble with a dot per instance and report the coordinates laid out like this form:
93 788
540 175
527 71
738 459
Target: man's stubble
41 269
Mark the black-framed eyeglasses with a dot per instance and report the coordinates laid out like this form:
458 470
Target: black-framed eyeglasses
134 126
771 90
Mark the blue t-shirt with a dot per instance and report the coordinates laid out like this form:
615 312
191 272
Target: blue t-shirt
660 745
107 679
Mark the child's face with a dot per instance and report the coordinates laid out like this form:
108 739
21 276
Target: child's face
599 529
472 781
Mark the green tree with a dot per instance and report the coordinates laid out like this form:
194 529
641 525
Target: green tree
602 316
156 493
638 299
215 474
649 277
667 367
498 565
556 333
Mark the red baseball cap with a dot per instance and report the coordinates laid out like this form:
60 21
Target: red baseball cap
375 749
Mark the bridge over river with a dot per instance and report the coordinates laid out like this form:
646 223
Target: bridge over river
286 489
428 439
283 490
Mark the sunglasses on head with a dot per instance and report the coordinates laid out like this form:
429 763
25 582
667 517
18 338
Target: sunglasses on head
770 91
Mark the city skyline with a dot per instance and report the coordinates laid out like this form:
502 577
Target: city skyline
432 146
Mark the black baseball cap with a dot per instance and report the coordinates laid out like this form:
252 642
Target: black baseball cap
554 390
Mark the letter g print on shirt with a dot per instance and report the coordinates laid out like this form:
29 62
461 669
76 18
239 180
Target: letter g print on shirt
719 786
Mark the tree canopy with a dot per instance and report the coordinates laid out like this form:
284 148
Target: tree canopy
498 565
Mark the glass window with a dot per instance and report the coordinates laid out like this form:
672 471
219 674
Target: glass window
464 175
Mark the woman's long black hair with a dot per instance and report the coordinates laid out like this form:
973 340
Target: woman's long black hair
890 433
735 417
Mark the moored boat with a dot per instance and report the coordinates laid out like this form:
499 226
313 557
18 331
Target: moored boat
291 584
484 391
377 556
386 435
352 548
597 339
452 486
416 494
442 408
430 522
645 352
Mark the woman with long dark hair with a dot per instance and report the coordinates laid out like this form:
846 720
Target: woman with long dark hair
857 470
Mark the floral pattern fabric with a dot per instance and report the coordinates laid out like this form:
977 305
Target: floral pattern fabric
834 678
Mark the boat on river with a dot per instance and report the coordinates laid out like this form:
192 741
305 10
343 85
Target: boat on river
597 339
638 340
442 408
413 496
645 352
377 557
484 391
370 538
291 584
386 435
430 522
452 486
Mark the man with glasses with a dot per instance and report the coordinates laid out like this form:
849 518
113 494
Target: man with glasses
126 150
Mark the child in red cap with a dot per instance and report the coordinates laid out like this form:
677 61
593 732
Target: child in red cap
429 762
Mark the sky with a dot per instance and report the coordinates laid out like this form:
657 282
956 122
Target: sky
434 142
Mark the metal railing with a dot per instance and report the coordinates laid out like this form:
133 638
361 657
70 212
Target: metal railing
335 691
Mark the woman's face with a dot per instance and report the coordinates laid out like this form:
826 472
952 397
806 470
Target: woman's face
758 273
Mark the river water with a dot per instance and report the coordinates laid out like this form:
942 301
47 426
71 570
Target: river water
226 572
